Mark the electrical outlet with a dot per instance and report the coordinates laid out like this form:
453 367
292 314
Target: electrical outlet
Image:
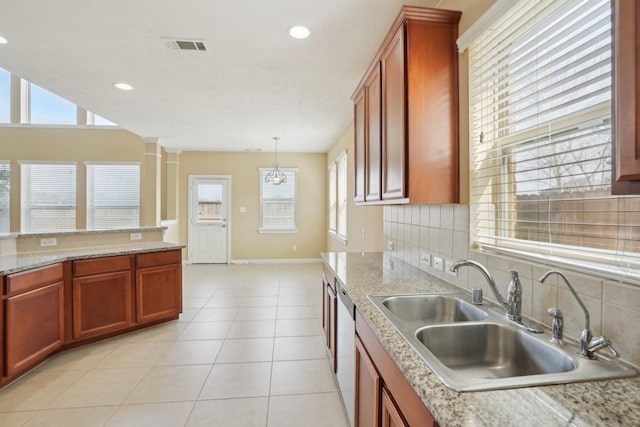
389 245
437 263
135 236
447 267
51 241
426 258
294 248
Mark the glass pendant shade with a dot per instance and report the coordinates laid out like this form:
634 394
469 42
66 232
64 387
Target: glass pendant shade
275 176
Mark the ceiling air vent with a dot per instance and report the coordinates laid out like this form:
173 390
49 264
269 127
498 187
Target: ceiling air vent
187 45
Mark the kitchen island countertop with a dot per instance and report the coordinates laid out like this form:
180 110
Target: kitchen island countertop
594 403
25 261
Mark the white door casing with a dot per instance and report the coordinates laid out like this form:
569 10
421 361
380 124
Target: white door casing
209 225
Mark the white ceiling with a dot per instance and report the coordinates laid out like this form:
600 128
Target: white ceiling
253 83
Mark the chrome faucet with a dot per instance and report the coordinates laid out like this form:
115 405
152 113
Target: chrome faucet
588 343
513 303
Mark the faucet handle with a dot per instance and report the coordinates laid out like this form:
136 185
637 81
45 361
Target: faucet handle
557 324
598 343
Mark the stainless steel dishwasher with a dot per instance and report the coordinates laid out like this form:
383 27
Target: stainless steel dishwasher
346 333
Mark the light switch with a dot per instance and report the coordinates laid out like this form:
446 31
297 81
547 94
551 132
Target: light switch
243 209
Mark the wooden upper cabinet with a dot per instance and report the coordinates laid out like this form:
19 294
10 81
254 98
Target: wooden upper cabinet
393 122
360 125
418 132
373 87
626 112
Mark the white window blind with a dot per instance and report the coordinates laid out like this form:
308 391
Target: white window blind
278 203
48 196
5 187
540 108
113 196
342 195
333 197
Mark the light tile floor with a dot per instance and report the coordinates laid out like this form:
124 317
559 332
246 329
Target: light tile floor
247 351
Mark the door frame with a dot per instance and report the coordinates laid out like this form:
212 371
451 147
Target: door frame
189 214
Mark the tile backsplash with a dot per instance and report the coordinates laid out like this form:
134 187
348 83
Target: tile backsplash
422 234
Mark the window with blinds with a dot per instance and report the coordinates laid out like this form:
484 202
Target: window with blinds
48 196
333 198
338 196
278 204
5 187
113 196
541 139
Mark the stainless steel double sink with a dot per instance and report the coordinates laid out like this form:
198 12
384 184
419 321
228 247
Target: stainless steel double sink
473 347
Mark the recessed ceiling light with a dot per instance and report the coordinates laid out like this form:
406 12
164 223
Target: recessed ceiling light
123 86
3 40
299 32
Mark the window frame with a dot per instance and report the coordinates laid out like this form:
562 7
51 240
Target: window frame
89 208
338 171
7 164
25 212
610 263
278 230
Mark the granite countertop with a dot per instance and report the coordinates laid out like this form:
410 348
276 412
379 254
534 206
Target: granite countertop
21 262
596 403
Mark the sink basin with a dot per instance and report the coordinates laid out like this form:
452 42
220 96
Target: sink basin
472 348
490 350
431 308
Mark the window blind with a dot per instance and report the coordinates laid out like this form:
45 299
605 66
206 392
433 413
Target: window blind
342 195
113 196
48 196
278 203
5 187
540 112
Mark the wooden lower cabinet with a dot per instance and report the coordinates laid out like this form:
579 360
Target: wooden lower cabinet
101 304
34 327
390 413
70 303
330 324
157 296
368 387
384 397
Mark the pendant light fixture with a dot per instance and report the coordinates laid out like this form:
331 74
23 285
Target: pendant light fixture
276 176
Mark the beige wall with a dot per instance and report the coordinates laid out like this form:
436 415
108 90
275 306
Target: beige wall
367 218
68 144
246 242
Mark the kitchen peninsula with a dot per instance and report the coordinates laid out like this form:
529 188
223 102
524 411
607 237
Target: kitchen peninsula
92 285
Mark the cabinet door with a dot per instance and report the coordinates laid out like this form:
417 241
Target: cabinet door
101 304
330 323
368 386
374 134
158 292
626 161
390 413
34 327
393 118
360 137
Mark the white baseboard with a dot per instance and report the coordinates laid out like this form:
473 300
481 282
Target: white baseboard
278 261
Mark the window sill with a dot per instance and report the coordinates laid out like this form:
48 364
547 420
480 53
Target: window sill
340 239
276 231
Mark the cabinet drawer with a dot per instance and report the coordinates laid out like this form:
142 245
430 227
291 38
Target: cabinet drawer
101 265
158 258
32 279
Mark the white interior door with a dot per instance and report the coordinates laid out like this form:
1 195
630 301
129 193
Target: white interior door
209 211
